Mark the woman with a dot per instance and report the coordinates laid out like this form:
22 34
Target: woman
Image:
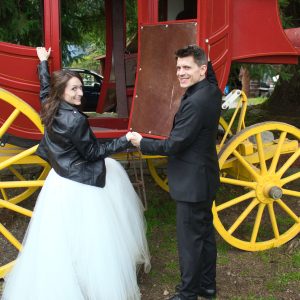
87 233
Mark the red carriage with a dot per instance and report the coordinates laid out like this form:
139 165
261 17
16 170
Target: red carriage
143 86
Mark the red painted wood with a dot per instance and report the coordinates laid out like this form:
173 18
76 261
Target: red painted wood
18 75
147 12
18 71
52 31
293 35
257 34
214 30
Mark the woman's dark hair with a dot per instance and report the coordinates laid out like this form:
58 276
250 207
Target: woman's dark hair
59 80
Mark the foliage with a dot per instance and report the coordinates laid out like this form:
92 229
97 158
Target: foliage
20 22
83 29
82 22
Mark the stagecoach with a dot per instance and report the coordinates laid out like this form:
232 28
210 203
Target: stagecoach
259 165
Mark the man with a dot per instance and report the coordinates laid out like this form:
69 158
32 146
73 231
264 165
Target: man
193 171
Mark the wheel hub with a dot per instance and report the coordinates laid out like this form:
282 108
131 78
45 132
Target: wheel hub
268 189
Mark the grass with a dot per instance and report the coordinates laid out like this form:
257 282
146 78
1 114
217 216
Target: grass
254 297
257 101
296 259
281 281
265 256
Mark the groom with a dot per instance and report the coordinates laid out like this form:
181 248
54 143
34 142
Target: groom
193 171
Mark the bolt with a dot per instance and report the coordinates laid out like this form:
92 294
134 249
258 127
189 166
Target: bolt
275 192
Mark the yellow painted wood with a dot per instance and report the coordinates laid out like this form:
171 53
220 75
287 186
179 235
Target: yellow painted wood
12 160
265 168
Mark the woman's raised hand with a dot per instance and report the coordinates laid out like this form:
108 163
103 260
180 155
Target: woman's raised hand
42 53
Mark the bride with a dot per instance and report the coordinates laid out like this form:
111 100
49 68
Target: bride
87 234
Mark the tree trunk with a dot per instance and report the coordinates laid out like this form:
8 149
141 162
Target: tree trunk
286 95
245 79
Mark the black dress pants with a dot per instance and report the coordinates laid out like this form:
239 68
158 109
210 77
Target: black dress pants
196 247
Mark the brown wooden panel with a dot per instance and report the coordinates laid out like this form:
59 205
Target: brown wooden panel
157 95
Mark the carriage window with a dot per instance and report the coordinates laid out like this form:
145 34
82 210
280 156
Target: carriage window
83 33
21 22
177 10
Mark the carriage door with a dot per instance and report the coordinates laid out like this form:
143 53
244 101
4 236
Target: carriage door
164 27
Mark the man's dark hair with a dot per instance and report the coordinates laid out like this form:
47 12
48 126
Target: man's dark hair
195 51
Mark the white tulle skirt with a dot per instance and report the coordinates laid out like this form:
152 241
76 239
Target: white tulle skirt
83 242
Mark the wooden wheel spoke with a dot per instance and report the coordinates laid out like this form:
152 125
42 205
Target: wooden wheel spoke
16 173
9 236
288 211
261 154
9 121
249 167
259 214
288 163
13 160
158 163
16 208
290 178
4 194
238 182
235 201
243 216
277 152
273 220
291 193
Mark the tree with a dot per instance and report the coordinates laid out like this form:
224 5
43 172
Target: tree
287 90
20 22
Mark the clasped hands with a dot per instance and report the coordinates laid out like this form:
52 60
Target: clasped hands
134 138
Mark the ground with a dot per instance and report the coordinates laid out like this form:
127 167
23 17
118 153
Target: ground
271 274
241 275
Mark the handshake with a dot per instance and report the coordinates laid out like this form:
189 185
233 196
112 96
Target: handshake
134 138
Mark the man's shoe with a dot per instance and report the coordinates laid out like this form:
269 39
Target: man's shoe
207 293
177 288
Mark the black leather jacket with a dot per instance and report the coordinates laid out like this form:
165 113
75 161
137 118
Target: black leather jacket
71 148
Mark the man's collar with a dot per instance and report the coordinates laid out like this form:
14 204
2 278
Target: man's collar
195 87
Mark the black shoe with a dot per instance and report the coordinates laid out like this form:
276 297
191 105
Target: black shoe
207 293
177 288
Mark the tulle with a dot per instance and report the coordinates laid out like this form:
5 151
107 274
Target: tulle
83 242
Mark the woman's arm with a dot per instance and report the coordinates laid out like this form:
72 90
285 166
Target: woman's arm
44 75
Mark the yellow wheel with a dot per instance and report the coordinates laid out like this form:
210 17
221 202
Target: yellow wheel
257 206
158 166
158 170
21 173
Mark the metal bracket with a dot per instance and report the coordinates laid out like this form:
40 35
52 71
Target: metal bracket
230 101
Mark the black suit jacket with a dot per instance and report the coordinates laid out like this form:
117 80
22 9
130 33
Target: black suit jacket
193 169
